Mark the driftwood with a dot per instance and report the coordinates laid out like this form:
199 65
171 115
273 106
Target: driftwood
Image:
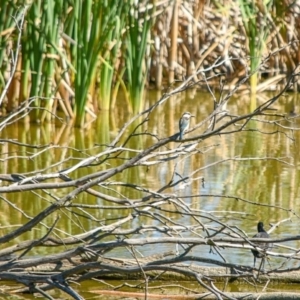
206 296
132 271
89 256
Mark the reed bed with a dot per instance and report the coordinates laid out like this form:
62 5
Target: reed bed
76 55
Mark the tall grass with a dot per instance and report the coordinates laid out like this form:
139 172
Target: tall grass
137 45
110 54
84 52
255 18
40 53
97 32
7 25
92 48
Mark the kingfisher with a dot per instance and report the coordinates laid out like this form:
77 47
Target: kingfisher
184 123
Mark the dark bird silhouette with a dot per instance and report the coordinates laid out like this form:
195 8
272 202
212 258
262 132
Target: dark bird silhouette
265 246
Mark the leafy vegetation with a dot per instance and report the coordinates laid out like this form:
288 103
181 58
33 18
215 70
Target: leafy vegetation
76 55
257 26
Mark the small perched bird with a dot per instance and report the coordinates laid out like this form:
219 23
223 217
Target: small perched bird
184 123
265 246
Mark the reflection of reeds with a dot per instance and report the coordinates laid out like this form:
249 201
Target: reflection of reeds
87 50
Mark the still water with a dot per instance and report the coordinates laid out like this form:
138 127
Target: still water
259 166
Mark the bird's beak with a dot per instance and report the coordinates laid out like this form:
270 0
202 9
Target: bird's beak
192 116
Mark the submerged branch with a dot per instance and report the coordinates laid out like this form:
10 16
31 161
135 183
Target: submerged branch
139 216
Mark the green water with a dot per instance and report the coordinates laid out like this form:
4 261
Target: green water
254 168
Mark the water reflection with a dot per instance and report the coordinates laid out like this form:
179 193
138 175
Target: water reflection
247 167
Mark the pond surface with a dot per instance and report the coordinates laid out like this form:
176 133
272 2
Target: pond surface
247 167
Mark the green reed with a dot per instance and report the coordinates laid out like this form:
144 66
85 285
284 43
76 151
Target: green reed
86 50
110 62
257 26
139 22
40 41
84 34
6 23
95 27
